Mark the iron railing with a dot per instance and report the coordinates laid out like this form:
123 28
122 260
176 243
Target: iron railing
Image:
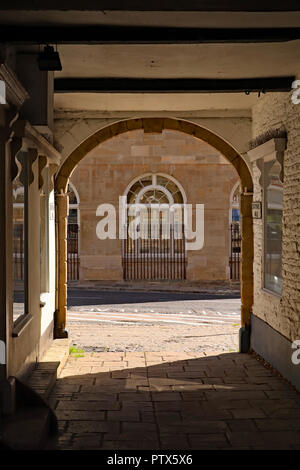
235 252
73 252
154 257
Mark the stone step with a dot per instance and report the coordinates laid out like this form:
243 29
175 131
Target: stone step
32 425
43 377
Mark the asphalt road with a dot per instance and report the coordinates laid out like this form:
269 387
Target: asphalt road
123 307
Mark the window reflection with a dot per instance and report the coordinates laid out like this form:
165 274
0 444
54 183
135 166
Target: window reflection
273 227
18 249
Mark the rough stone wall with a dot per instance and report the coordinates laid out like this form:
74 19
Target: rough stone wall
207 178
283 314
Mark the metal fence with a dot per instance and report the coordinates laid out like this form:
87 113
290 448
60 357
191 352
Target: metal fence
72 247
235 252
73 252
149 258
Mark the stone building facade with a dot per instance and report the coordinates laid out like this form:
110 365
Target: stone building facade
79 126
205 176
276 316
170 93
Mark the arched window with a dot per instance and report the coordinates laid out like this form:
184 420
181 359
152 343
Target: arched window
234 216
157 218
73 205
155 188
235 238
73 233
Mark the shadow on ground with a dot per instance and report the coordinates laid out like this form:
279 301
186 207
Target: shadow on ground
86 297
174 401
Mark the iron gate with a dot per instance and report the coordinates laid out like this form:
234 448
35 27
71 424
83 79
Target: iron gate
149 258
235 252
73 252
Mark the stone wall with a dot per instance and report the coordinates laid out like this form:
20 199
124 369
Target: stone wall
282 314
104 174
71 128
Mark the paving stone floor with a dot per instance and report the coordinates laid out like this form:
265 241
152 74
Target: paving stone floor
180 400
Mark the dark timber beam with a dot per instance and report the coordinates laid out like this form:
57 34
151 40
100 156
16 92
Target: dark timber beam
164 85
141 35
152 5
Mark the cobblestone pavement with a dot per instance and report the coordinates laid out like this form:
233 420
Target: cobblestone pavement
99 337
163 400
153 321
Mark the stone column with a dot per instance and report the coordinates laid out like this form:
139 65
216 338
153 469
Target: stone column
62 205
246 270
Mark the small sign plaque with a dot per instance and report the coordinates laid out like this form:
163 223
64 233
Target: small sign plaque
256 210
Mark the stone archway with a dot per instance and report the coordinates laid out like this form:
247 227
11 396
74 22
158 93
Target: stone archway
156 125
